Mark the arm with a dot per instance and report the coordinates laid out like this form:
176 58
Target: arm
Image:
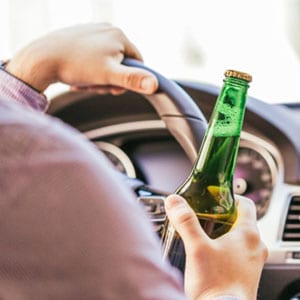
229 265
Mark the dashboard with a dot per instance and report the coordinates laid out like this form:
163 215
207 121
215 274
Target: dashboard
258 162
128 130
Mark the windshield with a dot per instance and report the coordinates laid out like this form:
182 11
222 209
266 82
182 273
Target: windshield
193 40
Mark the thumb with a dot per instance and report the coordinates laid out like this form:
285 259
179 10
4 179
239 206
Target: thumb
184 220
134 79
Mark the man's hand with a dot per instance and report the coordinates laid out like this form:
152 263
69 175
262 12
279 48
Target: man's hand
85 57
229 265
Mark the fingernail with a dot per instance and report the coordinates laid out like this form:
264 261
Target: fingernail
148 84
173 201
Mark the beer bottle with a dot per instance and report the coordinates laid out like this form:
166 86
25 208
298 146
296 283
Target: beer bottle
208 189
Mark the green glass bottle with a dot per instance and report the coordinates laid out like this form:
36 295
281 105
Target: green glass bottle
208 189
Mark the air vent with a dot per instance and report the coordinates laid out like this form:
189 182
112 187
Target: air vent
155 207
291 231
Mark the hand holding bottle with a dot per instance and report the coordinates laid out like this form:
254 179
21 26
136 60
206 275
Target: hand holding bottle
229 265
208 188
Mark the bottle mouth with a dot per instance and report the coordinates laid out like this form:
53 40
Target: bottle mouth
237 74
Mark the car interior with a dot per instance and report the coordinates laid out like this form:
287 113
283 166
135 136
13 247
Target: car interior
152 141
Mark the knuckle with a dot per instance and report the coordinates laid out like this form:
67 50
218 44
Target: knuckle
113 31
181 215
265 252
252 237
184 216
131 80
116 31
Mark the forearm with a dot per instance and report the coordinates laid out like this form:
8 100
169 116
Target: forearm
13 88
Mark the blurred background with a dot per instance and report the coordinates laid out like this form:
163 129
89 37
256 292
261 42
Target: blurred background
182 39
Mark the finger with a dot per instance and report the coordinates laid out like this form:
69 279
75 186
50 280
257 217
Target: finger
117 91
102 90
246 213
245 227
99 89
246 210
184 220
134 79
130 50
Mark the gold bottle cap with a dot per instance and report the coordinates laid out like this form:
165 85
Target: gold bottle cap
238 74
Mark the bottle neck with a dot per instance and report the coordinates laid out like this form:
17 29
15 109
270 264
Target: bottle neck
228 115
223 134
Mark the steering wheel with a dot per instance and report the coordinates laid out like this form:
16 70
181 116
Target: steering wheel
177 109
180 114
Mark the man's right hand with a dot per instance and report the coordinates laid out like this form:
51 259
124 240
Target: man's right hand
229 265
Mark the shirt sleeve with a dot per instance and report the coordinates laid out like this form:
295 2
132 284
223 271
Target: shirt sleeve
12 88
70 229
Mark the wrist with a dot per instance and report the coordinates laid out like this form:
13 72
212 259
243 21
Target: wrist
16 90
33 67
